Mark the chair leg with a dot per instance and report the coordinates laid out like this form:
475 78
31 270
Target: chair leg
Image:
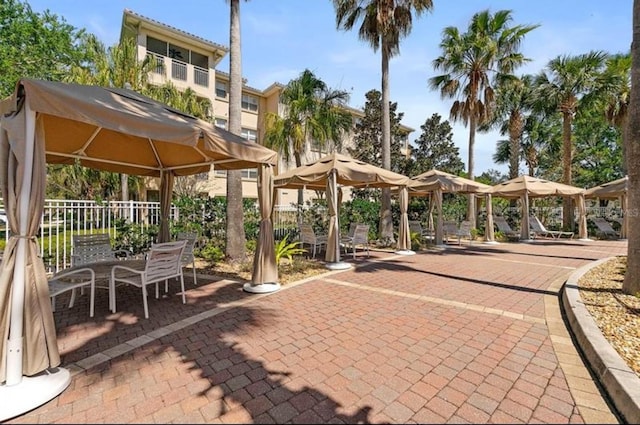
73 297
184 300
53 303
193 264
92 300
144 300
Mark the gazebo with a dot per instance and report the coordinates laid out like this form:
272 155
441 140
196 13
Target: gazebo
437 182
616 189
335 169
526 187
108 129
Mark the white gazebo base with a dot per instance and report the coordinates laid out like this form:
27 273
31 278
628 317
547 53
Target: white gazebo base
491 243
527 240
340 265
585 240
405 252
261 288
32 392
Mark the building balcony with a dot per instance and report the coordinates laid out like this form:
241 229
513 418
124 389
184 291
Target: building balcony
182 74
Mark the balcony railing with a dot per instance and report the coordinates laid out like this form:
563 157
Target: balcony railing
159 68
201 76
178 70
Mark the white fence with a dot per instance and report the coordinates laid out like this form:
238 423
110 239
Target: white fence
62 218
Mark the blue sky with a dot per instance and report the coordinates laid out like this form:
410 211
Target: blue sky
280 38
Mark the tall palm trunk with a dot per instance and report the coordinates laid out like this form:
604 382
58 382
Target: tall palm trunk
515 134
567 159
386 219
298 159
235 236
471 202
631 284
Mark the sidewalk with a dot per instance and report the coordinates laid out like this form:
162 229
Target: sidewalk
472 333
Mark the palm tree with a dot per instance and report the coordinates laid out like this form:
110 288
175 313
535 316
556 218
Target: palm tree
617 78
631 284
235 236
313 112
513 102
568 84
383 24
473 63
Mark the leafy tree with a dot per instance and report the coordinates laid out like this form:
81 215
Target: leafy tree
35 45
617 76
383 25
631 284
565 85
514 100
598 149
435 148
473 63
313 113
367 138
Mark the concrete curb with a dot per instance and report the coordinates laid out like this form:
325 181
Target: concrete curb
620 382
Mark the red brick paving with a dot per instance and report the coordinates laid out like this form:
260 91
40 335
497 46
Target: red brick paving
443 336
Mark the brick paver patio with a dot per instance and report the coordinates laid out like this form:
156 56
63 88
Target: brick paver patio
469 334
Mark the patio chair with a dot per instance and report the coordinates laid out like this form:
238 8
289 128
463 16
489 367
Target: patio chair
504 227
70 280
187 256
164 261
538 229
346 239
449 228
308 236
464 231
604 228
360 237
416 227
94 247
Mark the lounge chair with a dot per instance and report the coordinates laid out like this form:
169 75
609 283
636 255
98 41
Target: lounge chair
504 227
416 227
464 231
360 237
538 229
604 228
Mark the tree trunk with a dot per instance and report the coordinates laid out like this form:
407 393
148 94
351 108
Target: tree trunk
471 201
567 160
298 159
631 284
386 219
235 236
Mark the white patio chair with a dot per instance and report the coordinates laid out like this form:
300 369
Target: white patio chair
164 262
416 227
187 256
345 240
70 280
449 228
360 237
538 229
604 228
464 231
91 248
308 236
504 227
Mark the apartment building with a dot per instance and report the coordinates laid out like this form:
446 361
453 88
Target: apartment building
190 61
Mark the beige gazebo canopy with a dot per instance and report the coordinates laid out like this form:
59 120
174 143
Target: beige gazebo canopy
108 129
336 169
437 182
526 187
616 189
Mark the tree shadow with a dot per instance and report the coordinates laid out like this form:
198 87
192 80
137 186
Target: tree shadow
234 383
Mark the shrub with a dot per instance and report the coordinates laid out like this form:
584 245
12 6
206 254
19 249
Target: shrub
286 249
211 252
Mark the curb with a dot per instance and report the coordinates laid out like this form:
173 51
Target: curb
620 382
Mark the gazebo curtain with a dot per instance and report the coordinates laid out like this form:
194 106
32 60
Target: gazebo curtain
488 228
26 320
333 244
264 263
404 236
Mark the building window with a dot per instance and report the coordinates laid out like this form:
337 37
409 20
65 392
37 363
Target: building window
157 46
221 122
249 103
251 135
318 147
221 89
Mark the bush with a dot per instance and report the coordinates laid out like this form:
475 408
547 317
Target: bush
211 252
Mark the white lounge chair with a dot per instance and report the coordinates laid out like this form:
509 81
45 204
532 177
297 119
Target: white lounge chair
604 228
187 256
360 237
449 228
464 231
538 229
416 227
504 227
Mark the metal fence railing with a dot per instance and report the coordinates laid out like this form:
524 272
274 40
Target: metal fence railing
62 218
